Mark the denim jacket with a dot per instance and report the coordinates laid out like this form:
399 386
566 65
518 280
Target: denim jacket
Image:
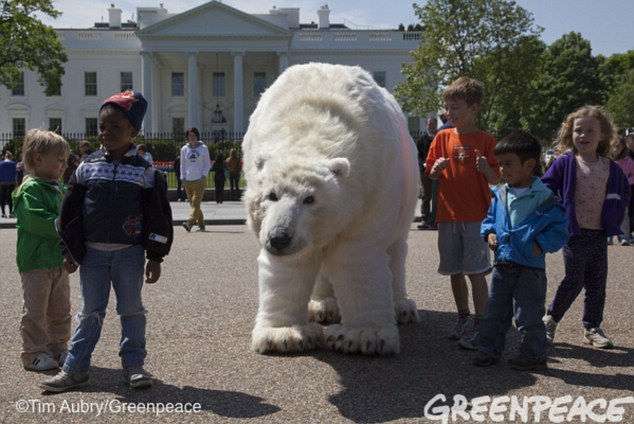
546 225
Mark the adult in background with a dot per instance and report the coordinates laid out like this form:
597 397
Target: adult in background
85 149
142 150
195 166
7 183
234 166
219 177
428 204
73 163
179 183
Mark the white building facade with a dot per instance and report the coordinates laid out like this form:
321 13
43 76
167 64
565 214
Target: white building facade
205 67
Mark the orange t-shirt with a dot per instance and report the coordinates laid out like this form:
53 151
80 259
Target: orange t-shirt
463 192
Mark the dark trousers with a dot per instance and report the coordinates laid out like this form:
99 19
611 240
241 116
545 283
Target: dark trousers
586 266
220 189
515 291
180 193
428 203
234 180
5 197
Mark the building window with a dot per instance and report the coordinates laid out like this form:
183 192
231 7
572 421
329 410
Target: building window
259 83
18 90
178 128
379 77
90 83
91 127
55 125
178 84
19 127
126 81
219 84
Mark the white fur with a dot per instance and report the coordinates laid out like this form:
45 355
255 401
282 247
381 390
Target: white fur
332 182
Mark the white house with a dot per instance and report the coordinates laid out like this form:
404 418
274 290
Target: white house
205 67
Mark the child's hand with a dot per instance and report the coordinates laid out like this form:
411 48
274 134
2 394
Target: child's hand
537 251
69 264
492 241
439 166
152 272
481 162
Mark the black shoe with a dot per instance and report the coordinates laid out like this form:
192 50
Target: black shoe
484 360
187 226
527 364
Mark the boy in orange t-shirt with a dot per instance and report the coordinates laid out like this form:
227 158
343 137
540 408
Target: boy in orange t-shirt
463 162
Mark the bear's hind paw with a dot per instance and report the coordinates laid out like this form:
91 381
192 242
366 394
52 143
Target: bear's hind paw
405 310
297 338
366 340
324 311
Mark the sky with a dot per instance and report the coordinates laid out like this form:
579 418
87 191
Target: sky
607 24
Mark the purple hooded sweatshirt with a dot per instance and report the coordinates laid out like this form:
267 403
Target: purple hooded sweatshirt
561 178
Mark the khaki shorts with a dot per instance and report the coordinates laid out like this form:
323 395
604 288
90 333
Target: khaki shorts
462 250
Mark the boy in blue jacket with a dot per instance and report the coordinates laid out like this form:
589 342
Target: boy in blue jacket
523 223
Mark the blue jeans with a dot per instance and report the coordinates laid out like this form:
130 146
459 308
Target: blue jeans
518 291
124 269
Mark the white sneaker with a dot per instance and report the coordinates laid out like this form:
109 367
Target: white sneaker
551 326
597 338
459 329
42 362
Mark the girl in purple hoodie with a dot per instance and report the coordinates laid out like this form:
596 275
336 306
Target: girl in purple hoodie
595 193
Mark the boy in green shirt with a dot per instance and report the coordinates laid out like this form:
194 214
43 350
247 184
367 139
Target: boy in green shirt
45 324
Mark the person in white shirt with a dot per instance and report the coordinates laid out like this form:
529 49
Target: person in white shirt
195 166
141 150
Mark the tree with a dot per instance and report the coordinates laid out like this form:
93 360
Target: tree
615 68
29 44
476 38
568 78
621 102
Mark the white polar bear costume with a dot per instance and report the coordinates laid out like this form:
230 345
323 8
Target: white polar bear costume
332 182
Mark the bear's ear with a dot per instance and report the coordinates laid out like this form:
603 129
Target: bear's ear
340 167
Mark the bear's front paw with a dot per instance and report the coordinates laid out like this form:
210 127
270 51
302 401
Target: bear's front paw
366 340
297 338
324 311
405 310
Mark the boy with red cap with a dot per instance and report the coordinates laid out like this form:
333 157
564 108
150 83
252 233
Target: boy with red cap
114 210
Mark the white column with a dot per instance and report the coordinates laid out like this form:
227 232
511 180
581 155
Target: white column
238 94
192 100
146 65
282 60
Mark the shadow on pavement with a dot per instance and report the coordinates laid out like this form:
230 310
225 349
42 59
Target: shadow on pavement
223 403
378 389
617 357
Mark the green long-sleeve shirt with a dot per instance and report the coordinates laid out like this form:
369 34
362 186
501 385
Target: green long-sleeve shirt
36 205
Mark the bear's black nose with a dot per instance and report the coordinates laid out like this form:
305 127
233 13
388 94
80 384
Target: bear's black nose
280 241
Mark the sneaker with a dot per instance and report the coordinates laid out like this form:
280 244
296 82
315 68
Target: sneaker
61 357
459 329
472 341
42 362
65 381
551 326
597 338
187 226
610 243
201 227
4 215
625 242
485 360
137 377
526 364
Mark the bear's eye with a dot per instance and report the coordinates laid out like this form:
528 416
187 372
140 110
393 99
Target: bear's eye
309 200
272 197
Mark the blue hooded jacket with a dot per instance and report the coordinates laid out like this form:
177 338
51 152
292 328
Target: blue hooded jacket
547 225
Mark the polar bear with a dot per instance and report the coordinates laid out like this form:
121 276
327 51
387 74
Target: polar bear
332 183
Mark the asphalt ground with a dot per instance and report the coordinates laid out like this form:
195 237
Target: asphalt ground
200 317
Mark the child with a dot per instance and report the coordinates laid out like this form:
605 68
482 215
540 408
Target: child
462 160
7 183
114 209
524 222
620 153
45 324
595 193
